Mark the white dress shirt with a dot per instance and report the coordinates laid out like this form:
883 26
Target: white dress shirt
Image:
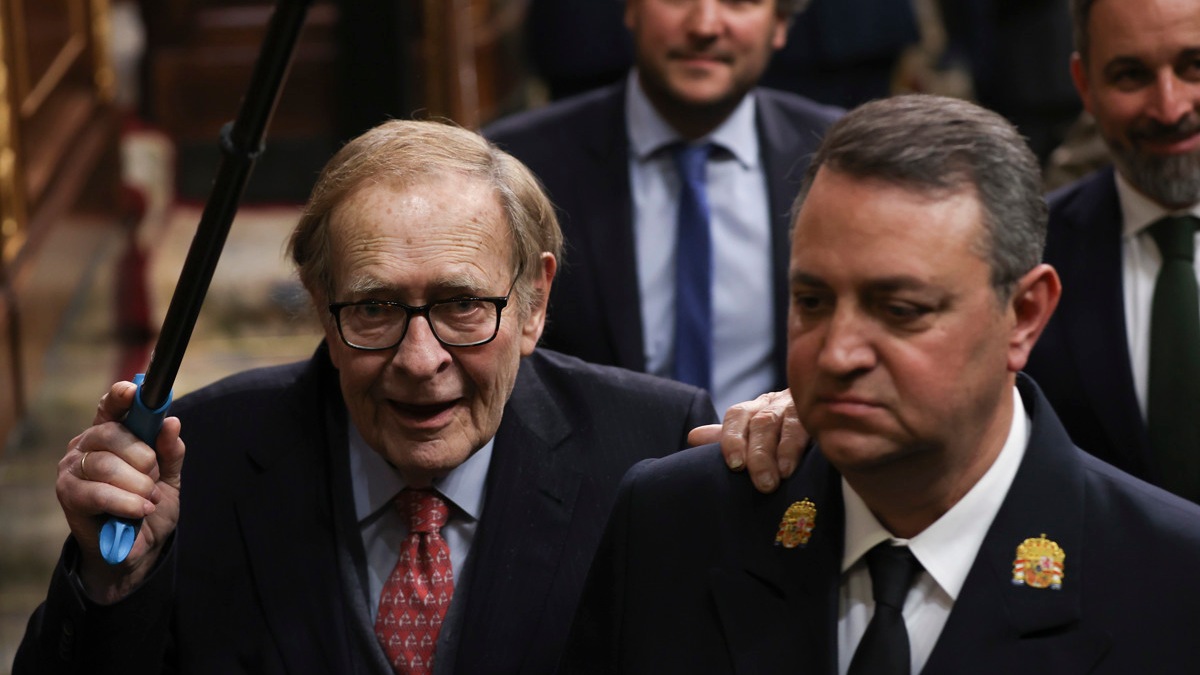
743 316
946 550
1140 262
376 483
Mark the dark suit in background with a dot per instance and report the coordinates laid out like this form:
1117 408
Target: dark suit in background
577 45
1082 359
844 52
688 578
267 567
1015 51
579 150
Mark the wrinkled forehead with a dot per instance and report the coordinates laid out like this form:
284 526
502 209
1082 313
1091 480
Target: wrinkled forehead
432 222
421 212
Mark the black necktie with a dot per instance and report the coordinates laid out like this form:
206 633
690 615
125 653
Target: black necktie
884 648
1173 405
693 271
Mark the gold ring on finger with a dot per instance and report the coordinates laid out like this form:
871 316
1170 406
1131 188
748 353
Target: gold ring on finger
83 466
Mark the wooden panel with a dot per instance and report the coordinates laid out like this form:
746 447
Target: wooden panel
469 55
57 83
11 403
12 181
197 85
51 38
57 145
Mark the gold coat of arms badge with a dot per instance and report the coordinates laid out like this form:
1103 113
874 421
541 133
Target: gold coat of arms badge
797 524
1039 564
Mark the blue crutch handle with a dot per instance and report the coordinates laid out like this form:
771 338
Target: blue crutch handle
118 534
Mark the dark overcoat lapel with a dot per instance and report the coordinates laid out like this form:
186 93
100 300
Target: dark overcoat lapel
1010 626
283 516
786 149
778 606
1082 361
532 486
597 221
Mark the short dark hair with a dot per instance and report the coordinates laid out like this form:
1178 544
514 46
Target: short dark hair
940 145
1081 11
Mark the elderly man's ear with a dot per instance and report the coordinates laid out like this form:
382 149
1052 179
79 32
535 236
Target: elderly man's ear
533 324
1031 305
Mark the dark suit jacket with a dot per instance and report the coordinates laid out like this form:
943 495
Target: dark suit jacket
688 579
261 577
579 148
1082 359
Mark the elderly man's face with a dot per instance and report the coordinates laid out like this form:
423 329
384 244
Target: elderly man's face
898 346
1142 83
424 406
701 53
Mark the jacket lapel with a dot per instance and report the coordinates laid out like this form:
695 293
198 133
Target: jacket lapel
1010 626
531 492
284 517
778 606
785 149
1095 319
603 232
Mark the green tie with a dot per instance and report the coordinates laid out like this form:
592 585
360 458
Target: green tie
1174 399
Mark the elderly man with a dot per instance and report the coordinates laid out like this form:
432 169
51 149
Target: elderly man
1120 361
947 524
427 484
673 189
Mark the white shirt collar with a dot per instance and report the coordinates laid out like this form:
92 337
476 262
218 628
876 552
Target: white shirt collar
947 548
649 132
1139 211
376 482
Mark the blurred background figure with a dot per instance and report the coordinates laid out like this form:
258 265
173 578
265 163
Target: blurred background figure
1016 52
840 52
673 187
1120 360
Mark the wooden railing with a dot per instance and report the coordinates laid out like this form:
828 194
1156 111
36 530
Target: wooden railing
57 125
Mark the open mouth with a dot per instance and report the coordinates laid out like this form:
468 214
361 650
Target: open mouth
423 412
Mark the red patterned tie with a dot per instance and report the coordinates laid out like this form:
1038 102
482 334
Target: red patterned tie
415 598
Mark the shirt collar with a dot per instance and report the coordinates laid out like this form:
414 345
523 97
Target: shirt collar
649 132
947 548
1139 211
376 482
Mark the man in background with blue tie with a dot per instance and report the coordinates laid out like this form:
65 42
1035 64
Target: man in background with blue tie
673 190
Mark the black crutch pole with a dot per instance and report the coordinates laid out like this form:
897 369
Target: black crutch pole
241 144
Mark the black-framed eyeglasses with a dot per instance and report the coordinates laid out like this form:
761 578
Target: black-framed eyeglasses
374 325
